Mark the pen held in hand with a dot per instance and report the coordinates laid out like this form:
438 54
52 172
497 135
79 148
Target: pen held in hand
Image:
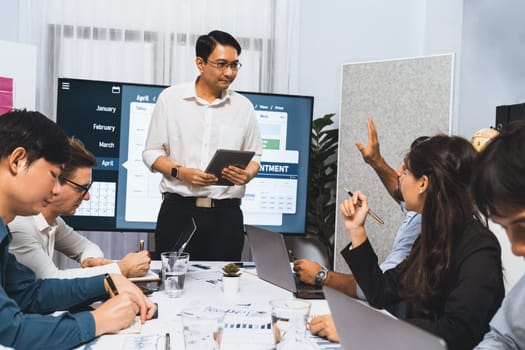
370 212
141 245
111 284
167 342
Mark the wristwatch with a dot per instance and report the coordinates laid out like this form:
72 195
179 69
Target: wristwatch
320 277
175 172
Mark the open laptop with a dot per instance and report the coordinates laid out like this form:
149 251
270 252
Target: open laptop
361 327
273 263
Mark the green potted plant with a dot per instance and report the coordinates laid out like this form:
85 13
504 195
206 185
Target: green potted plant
322 182
230 279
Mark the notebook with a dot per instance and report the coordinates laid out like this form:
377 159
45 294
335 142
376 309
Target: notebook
273 264
362 327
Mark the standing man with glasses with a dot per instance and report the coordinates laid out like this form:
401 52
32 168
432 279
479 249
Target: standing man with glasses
190 122
37 237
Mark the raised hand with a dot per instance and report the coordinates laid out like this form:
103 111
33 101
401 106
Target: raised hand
371 153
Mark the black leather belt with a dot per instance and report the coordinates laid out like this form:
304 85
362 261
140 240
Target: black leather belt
203 202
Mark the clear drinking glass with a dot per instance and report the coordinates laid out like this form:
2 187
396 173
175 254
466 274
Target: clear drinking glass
289 318
174 268
202 327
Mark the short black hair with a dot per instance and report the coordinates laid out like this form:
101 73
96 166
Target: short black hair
38 135
206 43
500 172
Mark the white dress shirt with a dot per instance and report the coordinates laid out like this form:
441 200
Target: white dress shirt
188 130
34 243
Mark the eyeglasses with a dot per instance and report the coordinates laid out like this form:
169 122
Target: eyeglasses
78 187
223 65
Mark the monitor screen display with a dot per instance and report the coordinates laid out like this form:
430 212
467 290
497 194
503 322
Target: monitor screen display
112 119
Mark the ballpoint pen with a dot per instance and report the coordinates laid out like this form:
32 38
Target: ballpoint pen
370 212
141 245
291 255
167 344
111 284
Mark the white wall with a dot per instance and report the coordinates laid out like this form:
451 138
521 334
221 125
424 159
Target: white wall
354 31
443 34
9 21
513 266
493 56
18 61
342 31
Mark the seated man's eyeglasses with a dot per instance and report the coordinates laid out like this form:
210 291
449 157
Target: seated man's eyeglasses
222 65
81 189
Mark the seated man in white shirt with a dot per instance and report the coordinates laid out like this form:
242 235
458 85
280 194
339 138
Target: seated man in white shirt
38 236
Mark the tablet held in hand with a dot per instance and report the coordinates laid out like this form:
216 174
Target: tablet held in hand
224 158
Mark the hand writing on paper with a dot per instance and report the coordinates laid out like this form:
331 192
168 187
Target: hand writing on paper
135 264
145 306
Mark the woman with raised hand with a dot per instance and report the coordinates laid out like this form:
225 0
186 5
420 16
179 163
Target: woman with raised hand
452 280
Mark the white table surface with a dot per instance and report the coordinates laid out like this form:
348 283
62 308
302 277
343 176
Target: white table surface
247 313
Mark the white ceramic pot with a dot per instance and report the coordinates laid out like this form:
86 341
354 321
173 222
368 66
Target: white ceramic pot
230 285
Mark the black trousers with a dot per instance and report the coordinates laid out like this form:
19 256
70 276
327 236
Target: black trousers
219 235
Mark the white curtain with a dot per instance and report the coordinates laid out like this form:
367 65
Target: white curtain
154 41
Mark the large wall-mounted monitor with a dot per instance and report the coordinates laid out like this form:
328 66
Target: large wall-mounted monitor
112 119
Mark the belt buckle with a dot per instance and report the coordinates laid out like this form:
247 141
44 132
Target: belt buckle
203 202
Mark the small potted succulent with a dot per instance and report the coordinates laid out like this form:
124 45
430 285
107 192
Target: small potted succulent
230 279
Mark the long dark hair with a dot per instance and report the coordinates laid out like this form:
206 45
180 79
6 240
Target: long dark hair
448 163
